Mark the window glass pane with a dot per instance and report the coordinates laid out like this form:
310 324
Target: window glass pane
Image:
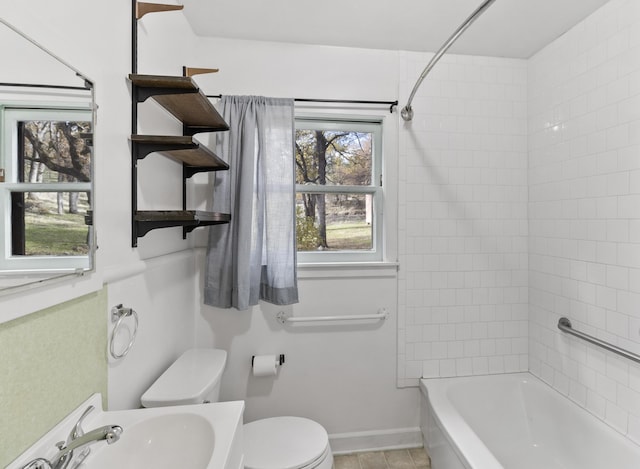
54 151
334 222
49 223
333 157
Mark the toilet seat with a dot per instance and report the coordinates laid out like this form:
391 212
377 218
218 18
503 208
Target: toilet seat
285 443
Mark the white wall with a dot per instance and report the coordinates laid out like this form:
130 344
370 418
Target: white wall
158 278
342 375
584 174
95 38
162 291
53 26
160 286
463 219
459 302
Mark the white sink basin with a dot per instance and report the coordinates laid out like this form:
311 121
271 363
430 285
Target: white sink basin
161 442
207 436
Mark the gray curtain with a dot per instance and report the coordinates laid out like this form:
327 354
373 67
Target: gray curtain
254 257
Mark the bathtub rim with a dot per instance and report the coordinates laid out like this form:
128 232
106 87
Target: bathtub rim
475 453
461 429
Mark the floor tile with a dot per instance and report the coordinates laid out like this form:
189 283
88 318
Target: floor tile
373 460
346 461
399 459
412 458
420 457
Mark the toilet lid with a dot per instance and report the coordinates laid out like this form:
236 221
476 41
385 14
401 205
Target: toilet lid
283 443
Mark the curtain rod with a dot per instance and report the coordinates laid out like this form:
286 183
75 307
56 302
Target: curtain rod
58 87
391 104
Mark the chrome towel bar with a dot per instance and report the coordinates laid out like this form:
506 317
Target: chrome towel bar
284 318
564 324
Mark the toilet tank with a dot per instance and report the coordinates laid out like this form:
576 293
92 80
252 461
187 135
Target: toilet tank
194 378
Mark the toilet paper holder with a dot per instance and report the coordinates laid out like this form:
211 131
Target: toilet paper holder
280 359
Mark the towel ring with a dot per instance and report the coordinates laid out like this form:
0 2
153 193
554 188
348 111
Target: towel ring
118 315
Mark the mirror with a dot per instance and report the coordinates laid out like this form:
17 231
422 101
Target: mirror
46 165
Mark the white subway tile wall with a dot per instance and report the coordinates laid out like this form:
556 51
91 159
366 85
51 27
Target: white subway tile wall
463 280
584 211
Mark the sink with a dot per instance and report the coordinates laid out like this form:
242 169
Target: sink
161 442
206 436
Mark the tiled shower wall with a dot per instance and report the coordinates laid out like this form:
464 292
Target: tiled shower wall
463 288
584 211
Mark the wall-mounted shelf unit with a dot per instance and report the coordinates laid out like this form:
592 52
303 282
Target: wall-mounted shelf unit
188 219
195 157
181 97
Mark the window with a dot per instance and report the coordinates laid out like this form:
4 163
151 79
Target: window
45 198
338 189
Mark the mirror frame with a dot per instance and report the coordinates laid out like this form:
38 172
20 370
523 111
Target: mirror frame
21 279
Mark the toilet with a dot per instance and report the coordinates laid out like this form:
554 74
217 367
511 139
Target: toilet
271 443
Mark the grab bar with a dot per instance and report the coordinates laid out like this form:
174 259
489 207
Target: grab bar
382 314
564 324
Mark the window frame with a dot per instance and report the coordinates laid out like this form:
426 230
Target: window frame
10 116
354 123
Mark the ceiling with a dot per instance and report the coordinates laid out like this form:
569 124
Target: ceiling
509 28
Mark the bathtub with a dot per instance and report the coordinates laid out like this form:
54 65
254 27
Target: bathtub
515 421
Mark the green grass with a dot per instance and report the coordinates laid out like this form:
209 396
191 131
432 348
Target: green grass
56 236
349 236
48 233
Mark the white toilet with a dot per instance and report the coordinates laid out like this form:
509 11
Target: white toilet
272 443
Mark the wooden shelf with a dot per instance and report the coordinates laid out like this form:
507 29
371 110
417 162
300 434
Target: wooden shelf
191 71
183 149
188 219
181 97
142 8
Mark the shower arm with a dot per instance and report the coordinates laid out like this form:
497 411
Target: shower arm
407 111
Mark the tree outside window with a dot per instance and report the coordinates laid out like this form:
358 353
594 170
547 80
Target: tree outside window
51 223
338 186
45 198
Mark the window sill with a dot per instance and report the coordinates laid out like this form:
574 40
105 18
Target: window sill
347 269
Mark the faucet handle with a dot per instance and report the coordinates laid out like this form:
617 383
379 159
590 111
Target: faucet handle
38 463
77 430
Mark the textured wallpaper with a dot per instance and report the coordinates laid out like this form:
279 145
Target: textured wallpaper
50 362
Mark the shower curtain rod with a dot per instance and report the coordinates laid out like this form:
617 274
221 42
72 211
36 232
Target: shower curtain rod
391 104
407 111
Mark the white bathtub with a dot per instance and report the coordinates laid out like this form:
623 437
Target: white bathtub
515 421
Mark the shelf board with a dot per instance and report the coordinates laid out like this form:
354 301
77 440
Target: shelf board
191 71
184 149
147 220
142 8
181 97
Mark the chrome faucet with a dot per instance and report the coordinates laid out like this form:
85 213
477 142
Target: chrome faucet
75 432
108 433
77 440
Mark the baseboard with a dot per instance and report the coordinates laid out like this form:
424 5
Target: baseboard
357 442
